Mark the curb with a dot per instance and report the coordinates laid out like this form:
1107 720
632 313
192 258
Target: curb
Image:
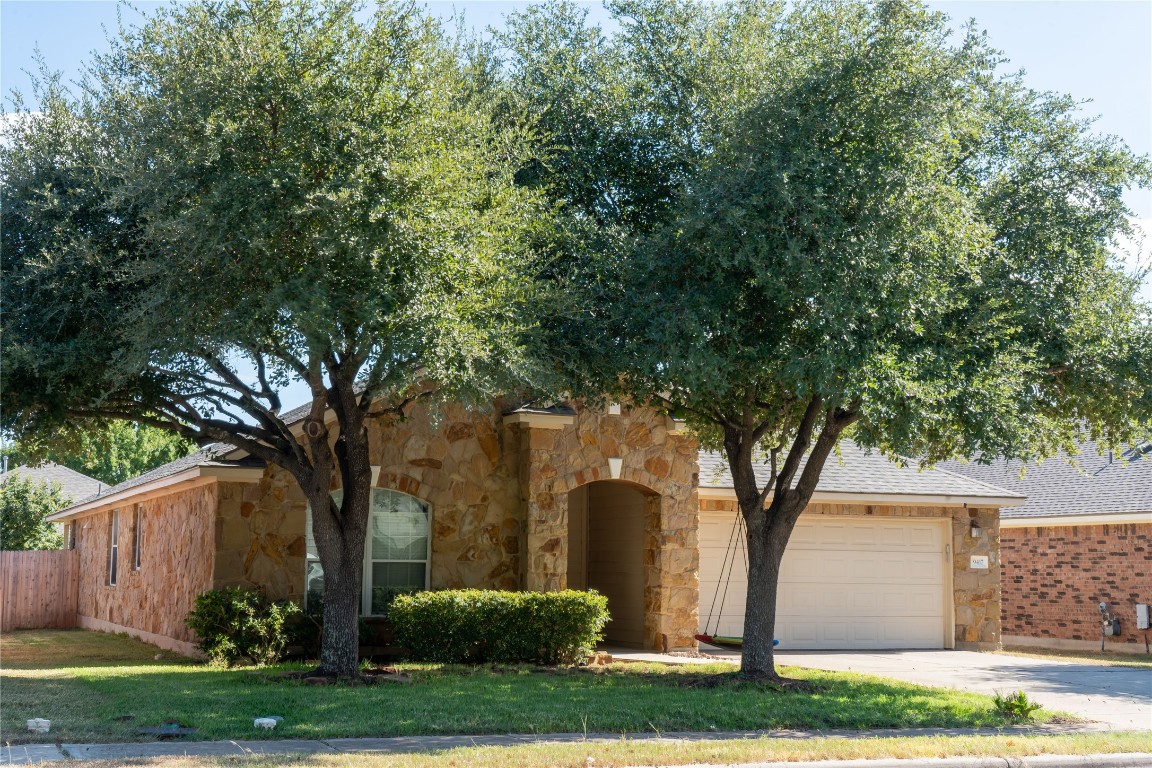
1117 760
50 753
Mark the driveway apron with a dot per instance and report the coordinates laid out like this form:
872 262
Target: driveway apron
1118 696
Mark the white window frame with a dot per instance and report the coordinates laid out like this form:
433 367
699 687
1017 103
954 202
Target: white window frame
138 523
366 588
366 566
114 548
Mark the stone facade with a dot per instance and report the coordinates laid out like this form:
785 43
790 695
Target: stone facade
1055 577
975 593
177 532
498 490
259 539
464 464
498 495
661 464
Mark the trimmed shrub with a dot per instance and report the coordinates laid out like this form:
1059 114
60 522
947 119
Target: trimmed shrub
477 626
237 622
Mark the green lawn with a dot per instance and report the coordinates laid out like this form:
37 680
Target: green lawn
98 687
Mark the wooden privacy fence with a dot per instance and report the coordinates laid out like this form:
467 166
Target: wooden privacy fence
38 589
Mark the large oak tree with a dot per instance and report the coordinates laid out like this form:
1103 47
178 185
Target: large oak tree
244 193
826 219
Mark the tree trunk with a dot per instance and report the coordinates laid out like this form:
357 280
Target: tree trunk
765 553
340 642
341 533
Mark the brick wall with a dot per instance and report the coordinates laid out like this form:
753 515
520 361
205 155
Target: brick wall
1054 577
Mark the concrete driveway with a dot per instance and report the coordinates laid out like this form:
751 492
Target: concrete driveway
1121 697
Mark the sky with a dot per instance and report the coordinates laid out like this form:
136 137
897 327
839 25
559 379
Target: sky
1095 50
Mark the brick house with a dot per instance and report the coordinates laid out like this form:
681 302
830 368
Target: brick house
616 499
1083 537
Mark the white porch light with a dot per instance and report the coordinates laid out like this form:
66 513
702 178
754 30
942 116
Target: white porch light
614 467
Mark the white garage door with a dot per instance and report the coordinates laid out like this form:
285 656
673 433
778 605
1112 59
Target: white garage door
846 583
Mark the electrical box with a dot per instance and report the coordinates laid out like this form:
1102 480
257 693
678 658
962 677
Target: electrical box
1112 627
978 562
1142 616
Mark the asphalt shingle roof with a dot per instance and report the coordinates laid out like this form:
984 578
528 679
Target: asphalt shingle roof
73 485
203 456
1098 483
858 471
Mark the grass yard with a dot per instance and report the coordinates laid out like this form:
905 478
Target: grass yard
1082 657
96 687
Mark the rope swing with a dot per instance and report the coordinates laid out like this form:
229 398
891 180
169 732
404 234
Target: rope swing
736 539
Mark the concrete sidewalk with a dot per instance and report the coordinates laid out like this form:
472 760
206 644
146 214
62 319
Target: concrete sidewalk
41 753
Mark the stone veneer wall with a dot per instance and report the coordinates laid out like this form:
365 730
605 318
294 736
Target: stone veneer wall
554 462
260 536
462 463
498 495
176 565
975 593
1055 576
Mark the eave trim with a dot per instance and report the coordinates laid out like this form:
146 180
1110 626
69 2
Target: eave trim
208 471
540 420
890 499
1047 521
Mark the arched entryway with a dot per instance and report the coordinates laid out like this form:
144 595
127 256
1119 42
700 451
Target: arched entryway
607 525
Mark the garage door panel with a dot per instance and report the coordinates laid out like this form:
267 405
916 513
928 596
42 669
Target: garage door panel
871 534
844 584
869 567
842 633
855 602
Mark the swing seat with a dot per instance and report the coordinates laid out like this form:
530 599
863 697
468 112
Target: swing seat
730 643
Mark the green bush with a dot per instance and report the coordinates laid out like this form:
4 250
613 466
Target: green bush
237 622
477 626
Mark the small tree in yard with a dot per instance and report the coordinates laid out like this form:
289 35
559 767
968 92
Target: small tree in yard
24 505
247 193
834 219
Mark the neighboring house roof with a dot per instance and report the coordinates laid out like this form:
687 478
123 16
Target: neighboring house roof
1090 483
73 485
857 472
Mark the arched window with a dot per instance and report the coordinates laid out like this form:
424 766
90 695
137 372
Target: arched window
396 553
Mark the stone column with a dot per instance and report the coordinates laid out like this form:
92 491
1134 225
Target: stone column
545 513
671 560
976 591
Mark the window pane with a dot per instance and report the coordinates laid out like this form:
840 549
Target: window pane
399 527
